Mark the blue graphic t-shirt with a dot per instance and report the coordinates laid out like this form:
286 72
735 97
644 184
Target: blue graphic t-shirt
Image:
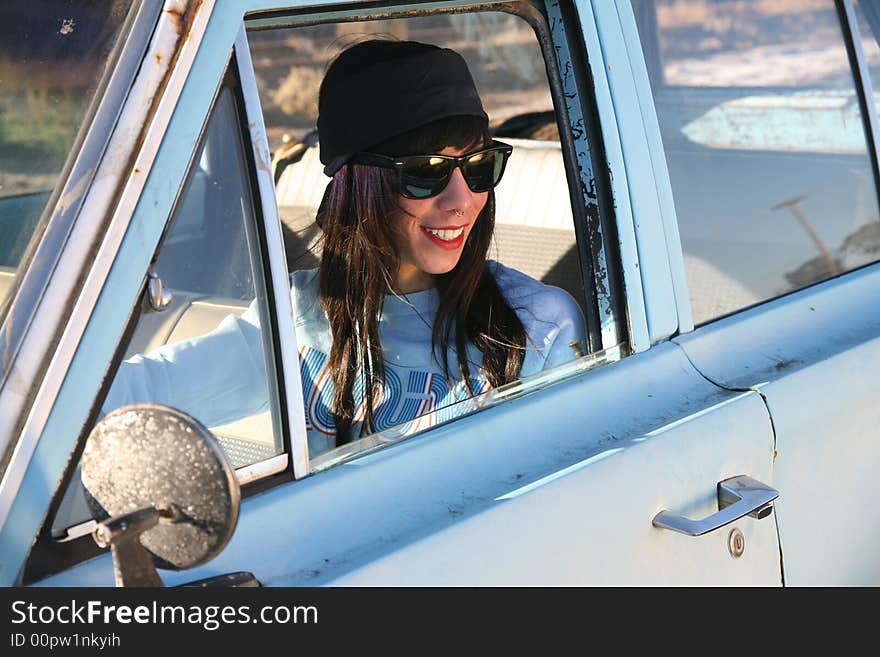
221 376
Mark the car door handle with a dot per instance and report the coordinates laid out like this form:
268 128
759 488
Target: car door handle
737 497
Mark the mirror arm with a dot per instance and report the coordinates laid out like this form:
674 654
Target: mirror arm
132 564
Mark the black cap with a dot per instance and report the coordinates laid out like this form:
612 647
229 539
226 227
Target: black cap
376 90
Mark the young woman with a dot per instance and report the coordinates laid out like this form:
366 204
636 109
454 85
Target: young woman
405 315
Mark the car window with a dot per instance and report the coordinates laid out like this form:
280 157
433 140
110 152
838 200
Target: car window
202 342
534 224
765 142
52 58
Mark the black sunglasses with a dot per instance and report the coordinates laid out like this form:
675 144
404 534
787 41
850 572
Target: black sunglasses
424 176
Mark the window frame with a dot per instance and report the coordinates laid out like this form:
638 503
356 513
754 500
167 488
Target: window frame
593 210
292 411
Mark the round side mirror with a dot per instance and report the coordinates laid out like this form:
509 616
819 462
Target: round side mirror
157 467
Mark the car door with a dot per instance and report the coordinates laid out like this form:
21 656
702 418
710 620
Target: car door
775 194
560 478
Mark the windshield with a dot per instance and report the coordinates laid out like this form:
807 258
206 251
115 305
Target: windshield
52 58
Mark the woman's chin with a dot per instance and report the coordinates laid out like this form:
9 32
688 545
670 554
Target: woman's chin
419 273
444 267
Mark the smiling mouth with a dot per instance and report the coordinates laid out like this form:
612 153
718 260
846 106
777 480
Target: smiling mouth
446 234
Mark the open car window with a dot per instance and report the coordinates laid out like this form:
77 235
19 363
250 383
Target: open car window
536 230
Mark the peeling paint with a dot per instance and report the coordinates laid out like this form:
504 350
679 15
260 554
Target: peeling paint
579 133
262 163
262 158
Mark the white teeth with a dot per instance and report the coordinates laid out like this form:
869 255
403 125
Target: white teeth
446 235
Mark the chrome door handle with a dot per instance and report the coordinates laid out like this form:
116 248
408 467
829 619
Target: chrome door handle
737 497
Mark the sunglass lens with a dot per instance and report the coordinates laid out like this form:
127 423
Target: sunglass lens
483 170
422 177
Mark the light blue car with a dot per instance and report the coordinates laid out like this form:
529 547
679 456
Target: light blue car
702 177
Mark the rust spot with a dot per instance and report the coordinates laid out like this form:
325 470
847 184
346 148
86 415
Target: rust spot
184 19
159 58
783 364
191 16
177 18
262 163
136 170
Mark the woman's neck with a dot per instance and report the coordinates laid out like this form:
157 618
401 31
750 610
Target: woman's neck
412 279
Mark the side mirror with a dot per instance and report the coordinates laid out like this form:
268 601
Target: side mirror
162 491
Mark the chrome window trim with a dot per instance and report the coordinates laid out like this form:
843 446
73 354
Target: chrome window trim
659 173
280 280
256 471
77 531
30 283
120 176
849 25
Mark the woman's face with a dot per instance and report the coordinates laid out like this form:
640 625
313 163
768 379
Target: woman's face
430 233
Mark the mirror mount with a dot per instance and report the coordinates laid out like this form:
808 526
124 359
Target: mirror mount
132 564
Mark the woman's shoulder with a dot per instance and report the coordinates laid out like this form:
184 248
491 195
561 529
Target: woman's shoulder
551 317
524 293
